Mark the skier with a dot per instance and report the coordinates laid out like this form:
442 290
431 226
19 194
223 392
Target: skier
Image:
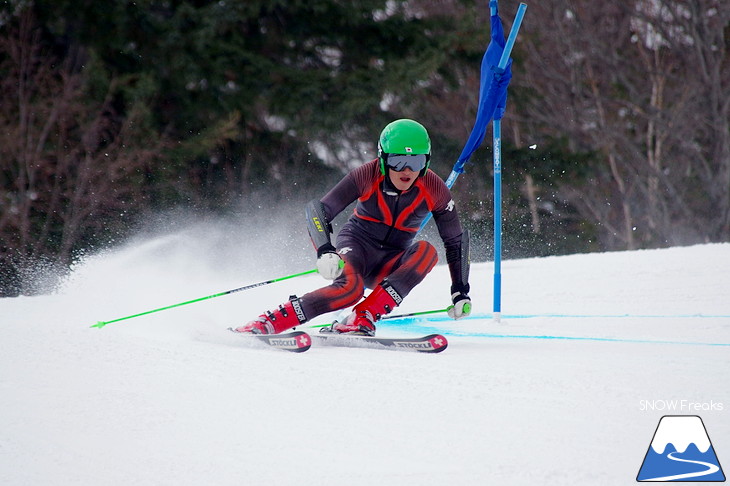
375 248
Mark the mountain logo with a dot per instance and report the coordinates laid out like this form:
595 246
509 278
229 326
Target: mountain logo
680 451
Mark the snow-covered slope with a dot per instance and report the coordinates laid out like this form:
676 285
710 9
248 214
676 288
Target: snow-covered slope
567 389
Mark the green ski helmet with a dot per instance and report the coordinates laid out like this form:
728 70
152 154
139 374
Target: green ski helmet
404 144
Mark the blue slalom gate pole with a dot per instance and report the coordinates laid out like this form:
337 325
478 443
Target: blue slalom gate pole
512 35
497 141
495 76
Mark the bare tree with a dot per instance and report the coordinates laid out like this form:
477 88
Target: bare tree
70 168
645 84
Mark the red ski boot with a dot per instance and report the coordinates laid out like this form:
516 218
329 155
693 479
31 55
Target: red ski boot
288 315
381 301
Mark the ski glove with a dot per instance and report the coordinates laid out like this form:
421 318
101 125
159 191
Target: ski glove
330 265
461 307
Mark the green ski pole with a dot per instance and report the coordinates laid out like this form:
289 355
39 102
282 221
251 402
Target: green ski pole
398 316
413 314
101 324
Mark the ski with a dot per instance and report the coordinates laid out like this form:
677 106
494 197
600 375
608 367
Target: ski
296 342
432 343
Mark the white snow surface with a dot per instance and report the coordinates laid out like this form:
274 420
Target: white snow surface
557 393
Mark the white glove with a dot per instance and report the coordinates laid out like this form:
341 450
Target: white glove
330 265
461 307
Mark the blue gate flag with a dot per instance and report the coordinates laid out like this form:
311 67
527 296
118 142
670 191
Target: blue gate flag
496 73
492 89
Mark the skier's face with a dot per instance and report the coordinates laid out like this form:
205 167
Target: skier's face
402 180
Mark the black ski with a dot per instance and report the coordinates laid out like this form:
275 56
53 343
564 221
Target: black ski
296 341
433 343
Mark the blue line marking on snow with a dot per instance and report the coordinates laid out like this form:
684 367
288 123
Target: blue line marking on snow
420 326
579 316
583 338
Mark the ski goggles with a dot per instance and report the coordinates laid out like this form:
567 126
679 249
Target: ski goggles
401 162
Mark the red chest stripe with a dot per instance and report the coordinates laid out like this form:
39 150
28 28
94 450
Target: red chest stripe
386 216
423 195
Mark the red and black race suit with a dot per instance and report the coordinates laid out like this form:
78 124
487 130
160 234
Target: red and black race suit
390 219
377 240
